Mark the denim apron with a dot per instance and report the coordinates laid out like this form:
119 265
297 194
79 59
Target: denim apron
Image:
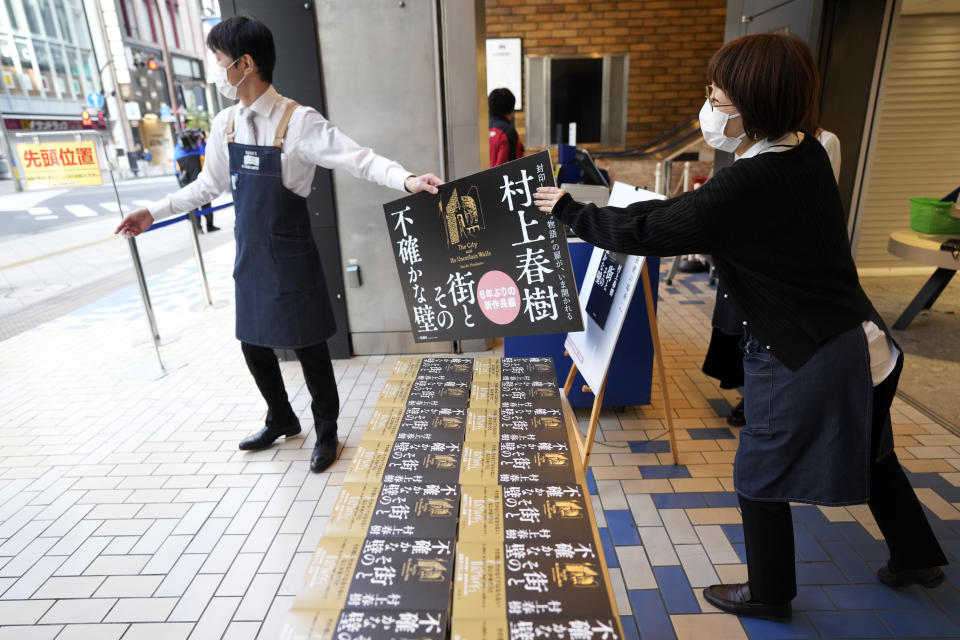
808 431
281 295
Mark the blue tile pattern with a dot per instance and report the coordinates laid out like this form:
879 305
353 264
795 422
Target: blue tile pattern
715 433
650 446
655 472
676 590
623 529
650 614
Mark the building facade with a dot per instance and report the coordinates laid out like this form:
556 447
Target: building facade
136 38
48 68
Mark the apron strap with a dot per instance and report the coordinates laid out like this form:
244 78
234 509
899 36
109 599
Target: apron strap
229 130
284 121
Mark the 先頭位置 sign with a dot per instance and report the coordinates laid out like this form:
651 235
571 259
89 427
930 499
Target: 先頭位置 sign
60 164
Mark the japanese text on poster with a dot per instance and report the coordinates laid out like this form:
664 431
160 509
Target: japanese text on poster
479 260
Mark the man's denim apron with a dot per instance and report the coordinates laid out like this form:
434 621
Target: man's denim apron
281 295
808 431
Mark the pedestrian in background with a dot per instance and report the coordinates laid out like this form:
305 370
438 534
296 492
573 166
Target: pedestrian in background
188 157
504 141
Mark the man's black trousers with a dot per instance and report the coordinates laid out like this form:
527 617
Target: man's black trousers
321 382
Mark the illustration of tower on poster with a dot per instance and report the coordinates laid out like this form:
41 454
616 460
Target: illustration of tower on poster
462 216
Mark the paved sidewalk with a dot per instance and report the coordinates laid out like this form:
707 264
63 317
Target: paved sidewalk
126 510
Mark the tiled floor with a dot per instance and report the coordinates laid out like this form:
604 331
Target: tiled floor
126 510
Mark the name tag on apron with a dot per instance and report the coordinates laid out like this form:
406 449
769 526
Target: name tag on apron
251 161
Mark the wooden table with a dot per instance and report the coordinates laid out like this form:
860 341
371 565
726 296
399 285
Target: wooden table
924 249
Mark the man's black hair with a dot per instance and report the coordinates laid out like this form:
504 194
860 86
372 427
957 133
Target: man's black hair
241 34
501 102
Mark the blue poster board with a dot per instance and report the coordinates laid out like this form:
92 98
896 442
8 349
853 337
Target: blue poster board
631 368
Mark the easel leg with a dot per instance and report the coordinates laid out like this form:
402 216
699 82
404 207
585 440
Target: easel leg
658 359
592 427
570 377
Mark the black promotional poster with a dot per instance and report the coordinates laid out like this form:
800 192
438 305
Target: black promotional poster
605 286
479 260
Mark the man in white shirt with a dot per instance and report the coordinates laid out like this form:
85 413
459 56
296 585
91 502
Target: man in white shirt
266 150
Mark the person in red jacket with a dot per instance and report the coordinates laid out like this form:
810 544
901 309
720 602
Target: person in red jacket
504 141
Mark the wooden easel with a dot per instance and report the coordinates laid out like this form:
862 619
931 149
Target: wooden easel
586 444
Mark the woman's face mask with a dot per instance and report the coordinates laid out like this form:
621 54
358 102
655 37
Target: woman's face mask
227 90
712 124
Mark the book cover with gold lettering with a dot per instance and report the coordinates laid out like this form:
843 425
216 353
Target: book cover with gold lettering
405 462
493 424
453 368
539 368
486 369
395 510
445 392
532 579
524 512
406 368
416 424
377 573
585 628
351 624
511 462
394 393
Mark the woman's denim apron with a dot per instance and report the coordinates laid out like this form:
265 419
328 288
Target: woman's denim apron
808 431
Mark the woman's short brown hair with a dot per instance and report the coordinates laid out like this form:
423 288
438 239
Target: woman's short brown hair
772 80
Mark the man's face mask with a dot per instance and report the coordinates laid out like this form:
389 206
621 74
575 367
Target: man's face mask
227 90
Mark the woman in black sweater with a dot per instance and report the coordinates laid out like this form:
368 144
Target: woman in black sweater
820 368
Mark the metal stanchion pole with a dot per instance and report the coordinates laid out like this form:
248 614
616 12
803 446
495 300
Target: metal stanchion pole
145 296
194 221
137 266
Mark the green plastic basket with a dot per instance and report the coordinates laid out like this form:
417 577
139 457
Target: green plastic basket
929 215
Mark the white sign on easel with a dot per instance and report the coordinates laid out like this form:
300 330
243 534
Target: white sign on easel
592 348
608 287
503 67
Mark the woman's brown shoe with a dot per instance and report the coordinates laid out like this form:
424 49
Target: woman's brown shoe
735 599
929 578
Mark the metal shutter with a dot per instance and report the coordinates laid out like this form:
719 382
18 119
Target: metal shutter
916 140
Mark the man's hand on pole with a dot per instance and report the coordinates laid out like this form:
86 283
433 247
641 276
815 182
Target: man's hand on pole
135 223
427 182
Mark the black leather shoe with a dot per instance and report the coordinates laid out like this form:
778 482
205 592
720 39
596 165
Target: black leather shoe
929 578
266 436
324 455
736 417
212 228
735 599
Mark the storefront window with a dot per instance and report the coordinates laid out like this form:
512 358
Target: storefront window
64 85
43 60
47 14
33 17
79 21
65 31
8 61
29 78
11 15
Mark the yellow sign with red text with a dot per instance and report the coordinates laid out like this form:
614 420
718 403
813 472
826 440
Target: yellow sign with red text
60 164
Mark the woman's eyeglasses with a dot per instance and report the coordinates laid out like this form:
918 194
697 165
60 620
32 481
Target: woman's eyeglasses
708 93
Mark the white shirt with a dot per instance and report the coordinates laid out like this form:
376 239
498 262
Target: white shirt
831 143
311 140
883 353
